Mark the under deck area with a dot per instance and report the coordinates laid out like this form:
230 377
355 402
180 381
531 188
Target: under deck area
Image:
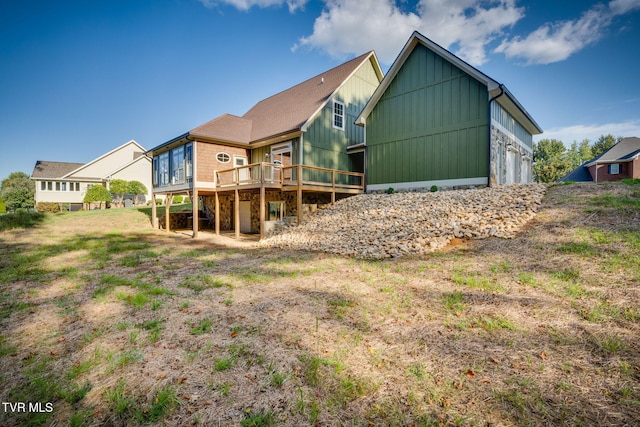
256 185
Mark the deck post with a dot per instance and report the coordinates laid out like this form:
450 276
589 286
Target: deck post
262 198
167 207
217 219
154 211
236 213
333 186
299 196
195 213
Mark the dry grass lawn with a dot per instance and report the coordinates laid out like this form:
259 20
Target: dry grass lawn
114 323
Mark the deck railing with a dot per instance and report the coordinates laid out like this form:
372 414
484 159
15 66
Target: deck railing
278 176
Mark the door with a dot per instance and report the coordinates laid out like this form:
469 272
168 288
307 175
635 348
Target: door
281 155
245 217
243 174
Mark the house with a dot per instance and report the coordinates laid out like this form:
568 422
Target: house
66 183
436 120
289 152
618 162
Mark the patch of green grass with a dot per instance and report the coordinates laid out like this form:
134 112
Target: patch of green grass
137 258
125 358
21 219
154 327
454 302
476 281
163 401
417 371
491 324
223 363
6 348
200 282
137 300
567 275
579 248
76 392
262 418
611 343
203 327
527 279
617 202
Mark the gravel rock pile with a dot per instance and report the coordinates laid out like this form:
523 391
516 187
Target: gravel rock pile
391 225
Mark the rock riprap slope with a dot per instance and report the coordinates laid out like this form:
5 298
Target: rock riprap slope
390 225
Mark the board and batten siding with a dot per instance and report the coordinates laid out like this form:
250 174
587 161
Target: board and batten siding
430 125
324 145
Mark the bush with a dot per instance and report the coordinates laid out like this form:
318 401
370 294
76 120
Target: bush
49 207
177 199
3 207
390 190
434 188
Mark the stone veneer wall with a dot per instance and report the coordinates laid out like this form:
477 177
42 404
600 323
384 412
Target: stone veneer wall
501 143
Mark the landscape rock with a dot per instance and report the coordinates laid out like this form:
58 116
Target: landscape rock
392 225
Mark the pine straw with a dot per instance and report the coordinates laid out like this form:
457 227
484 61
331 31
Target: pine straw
528 331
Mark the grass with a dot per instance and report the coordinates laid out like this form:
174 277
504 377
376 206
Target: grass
117 324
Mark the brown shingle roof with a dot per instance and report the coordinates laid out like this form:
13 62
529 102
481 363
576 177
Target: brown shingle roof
287 111
623 150
45 169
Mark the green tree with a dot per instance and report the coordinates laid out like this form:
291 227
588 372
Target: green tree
604 143
3 207
18 191
118 188
551 160
97 194
579 153
138 189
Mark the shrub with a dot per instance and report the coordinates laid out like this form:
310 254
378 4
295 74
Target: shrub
390 190
20 219
49 207
434 188
177 199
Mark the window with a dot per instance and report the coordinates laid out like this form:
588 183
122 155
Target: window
49 185
614 169
163 168
64 186
223 157
188 157
177 165
276 211
156 172
338 115
57 186
43 185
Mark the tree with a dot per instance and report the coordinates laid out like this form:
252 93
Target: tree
138 189
604 143
97 194
3 207
18 191
118 188
551 160
578 154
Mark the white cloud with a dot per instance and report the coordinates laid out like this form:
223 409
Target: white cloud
248 4
354 26
553 42
591 132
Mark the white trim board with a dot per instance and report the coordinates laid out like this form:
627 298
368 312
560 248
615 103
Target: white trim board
427 184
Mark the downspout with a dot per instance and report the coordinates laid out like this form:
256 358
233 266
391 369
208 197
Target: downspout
501 87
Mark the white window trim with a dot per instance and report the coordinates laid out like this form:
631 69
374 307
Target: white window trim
617 166
226 154
334 114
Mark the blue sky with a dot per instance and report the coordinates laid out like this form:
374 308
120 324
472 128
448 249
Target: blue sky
79 78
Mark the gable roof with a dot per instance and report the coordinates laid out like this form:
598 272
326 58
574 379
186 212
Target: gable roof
283 113
85 165
509 102
53 170
624 151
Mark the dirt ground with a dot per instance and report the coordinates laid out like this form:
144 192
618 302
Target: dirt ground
114 323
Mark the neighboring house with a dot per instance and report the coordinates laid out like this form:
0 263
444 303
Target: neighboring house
436 120
618 162
290 151
67 183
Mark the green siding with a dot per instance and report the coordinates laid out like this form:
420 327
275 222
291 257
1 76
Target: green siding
430 124
325 146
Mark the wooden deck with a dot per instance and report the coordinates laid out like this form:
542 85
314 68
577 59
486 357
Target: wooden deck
263 176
